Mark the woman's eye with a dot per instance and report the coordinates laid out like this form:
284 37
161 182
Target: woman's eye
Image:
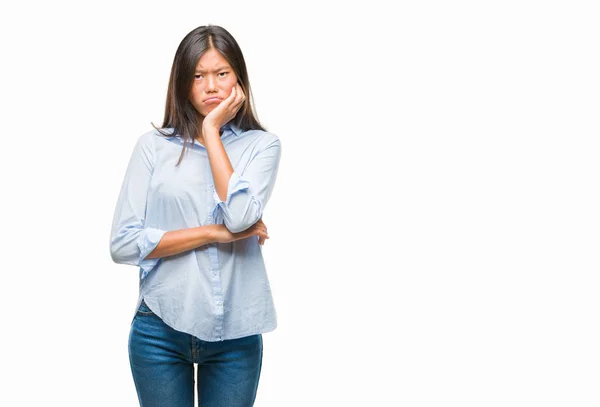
197 76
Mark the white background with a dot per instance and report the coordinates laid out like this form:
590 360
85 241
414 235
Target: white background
434 226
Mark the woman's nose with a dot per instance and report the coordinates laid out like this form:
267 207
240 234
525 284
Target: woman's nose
211 83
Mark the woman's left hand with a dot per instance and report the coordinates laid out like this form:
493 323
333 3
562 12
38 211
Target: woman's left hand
226 110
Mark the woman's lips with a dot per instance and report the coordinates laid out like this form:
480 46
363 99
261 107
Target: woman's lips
212 100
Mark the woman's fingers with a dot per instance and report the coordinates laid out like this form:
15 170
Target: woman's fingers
262 236
240 101
261 225
262 240
239 98
260 230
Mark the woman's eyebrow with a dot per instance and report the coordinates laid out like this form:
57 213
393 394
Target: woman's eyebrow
218 69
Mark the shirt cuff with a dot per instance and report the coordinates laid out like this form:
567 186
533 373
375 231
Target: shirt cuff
236 184
147 242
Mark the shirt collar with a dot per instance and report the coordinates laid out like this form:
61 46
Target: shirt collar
235 130
233 127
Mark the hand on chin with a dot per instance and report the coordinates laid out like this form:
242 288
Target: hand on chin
226 109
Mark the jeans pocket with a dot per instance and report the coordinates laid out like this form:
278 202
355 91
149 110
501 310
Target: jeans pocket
143 309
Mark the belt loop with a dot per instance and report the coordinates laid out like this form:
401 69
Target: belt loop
193 345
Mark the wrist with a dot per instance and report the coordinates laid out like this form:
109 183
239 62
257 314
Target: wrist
212 233
209 126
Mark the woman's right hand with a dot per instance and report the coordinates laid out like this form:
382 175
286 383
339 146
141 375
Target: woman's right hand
223 235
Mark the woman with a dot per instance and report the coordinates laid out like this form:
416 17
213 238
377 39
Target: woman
189 215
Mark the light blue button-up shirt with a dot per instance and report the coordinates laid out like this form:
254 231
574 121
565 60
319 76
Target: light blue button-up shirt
217 291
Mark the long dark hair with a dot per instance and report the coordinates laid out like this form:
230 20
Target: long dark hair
180 114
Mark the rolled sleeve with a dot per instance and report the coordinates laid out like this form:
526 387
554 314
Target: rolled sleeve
236 185
147 242
249 192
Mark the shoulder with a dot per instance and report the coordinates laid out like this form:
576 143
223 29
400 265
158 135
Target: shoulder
263 138
147 143
265 144
162 133
150 136
150 140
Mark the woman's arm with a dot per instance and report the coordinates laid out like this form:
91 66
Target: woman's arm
182 240
179 241
130 238
240 198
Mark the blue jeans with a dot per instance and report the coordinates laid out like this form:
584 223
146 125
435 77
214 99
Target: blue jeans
162 363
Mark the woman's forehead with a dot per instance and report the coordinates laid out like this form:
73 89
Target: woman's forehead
213 61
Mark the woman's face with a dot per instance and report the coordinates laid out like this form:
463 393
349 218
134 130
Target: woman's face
213 82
